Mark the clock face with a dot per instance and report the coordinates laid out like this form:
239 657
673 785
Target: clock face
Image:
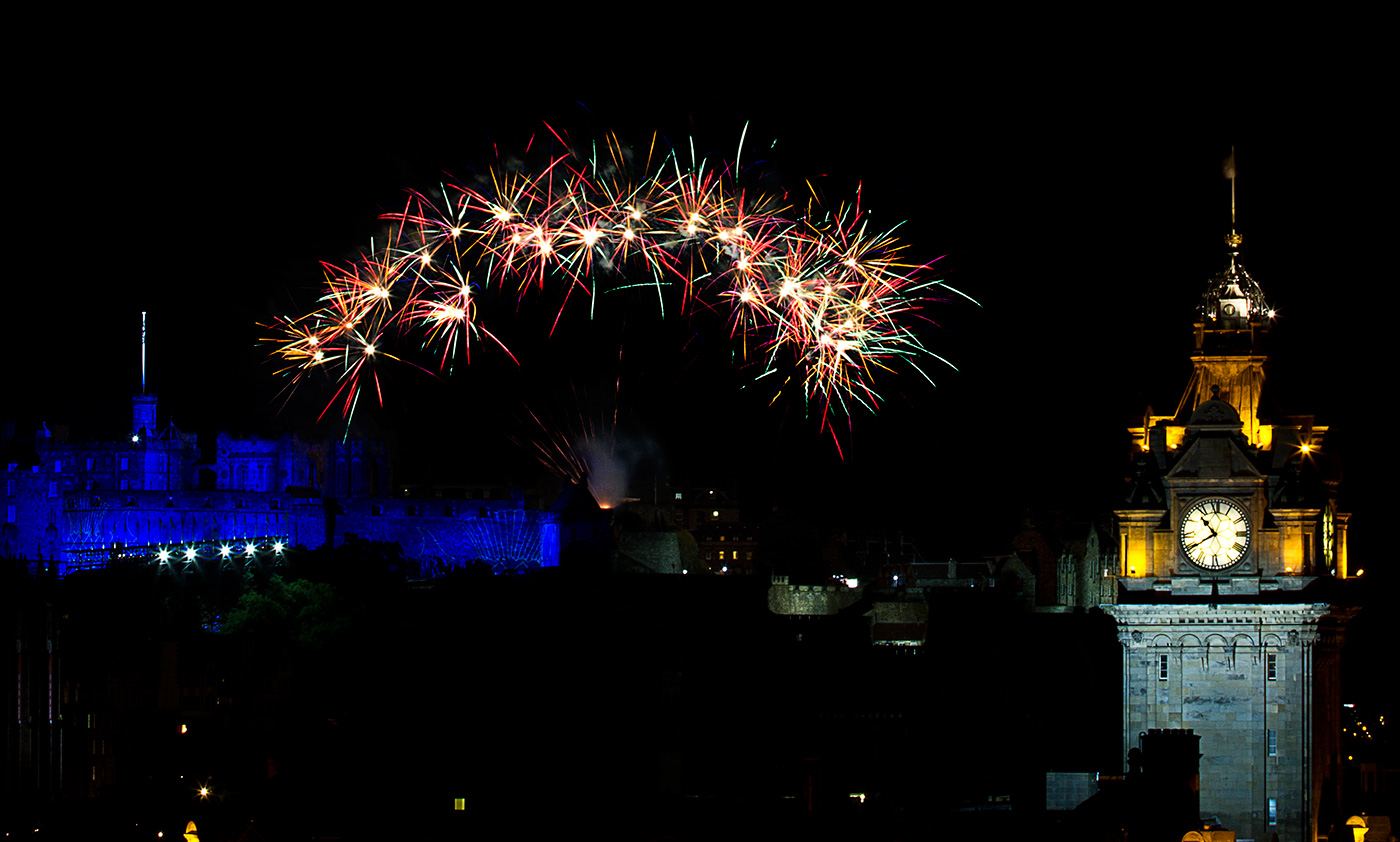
1214 533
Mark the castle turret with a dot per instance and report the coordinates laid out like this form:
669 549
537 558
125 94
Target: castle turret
143 417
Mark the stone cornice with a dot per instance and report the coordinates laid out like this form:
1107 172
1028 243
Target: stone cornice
1174 625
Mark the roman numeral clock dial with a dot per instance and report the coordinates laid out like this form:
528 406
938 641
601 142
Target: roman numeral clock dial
1214 533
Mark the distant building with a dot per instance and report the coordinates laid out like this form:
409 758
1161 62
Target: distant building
84 504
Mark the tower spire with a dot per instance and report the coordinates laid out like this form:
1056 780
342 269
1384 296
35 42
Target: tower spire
1234 238
1233 299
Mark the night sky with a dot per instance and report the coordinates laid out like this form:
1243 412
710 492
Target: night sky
1083 208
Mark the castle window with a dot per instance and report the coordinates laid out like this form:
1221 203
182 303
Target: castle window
1162 668
1273 743
58 466
1273 667
53 489
1273 811
90 463
9 488
125 463
10 514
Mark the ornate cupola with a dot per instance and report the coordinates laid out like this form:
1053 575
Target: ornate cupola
1232 323
1229 356
1233 301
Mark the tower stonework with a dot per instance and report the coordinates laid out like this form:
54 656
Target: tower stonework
1260 684
1229 532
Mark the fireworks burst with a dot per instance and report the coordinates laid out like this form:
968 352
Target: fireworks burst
820 301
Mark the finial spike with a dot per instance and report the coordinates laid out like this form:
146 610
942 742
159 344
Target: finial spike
1230 174
143 352
1233 240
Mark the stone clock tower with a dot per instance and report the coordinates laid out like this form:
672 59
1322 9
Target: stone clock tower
1228 533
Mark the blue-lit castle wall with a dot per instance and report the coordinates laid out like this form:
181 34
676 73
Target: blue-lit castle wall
84 504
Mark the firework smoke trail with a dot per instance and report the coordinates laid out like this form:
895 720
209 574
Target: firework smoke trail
818 301
580 445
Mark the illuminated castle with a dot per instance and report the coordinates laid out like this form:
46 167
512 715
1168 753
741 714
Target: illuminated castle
1229 535
149 497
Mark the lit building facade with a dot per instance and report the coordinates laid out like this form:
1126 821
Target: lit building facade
84 504
1230 524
